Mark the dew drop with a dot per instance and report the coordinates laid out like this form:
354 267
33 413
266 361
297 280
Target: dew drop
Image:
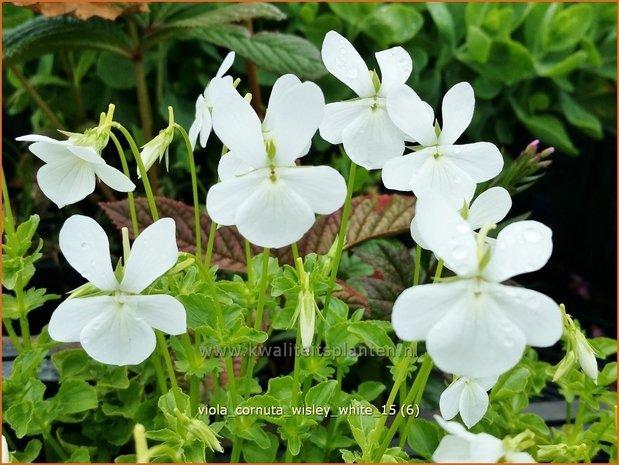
85 340
339 61
84 244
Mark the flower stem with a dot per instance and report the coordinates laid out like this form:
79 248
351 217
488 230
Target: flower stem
8 325
8 222
194 188
36 97
248 259
142 169
49 439
249 376
415 393
333 421
130 199
210 244
417 270
295 252
439 270
341 236
162 346
159 375
295 385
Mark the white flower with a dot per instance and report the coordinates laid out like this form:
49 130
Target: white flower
5 451
204 104
474 326
71 170
157 148
462 446
489 207
439 165
369 136
468 397
117 329
270 199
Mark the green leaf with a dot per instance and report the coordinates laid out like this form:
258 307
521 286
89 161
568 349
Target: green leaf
271 51
393 23
564 67
362 425
580 117
281 389
43 35
370 390
80 455
534 423
568 27
511 383
116 71
549 129
321 394
374 336
13 16
478 43
507 61
75 396
31 452
603 346
444 22
197 17
19 416
252 452
424 437
32 299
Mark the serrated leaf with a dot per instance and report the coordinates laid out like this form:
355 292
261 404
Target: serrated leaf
320 394
202 16
371 216
45 35
272 51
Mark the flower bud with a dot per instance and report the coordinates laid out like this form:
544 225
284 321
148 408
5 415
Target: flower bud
586 357
158 146
205 434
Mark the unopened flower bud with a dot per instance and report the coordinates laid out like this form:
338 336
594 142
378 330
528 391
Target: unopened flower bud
586 357
205 434
157 148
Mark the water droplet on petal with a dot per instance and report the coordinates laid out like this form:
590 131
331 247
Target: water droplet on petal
84 244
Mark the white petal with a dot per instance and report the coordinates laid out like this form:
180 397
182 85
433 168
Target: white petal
307 322
160 311
449 402
114 178
454 428
67 181
72 315
419 308
194 130
239 128
475 340
87 154
486 448
230 166
521 247
396 66
489 207
290 127
372 139
344 62
40 138
322 187
338 116
399 171
278 94
411 115
481 160
537 315
274 216
416 235
473 403
447 234
5 451
453 449
586 358
118 338
152 254
206 126
86 247
441 176
225 198
51 152
457 110
226 64
487 382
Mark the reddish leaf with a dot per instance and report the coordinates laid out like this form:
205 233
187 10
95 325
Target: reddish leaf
371 216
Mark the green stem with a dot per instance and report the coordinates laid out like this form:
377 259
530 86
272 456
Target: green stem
402 369
334 421
248 258
159 374
341 237
23 317
8 325
49 439
295 386
194 394
231 378
194 189
36 97
236 450
416 390
258 321
417 270
131 200
295 252
162 347
439 271
142 169
194 382
210 244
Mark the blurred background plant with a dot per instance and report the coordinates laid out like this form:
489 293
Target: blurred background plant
540 71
